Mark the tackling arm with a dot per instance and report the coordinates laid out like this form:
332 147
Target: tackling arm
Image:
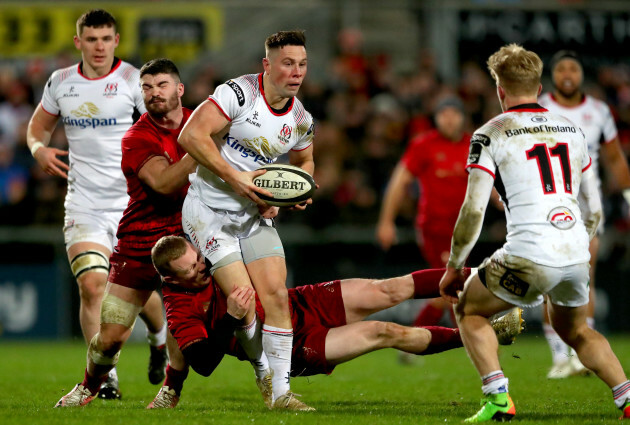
166 178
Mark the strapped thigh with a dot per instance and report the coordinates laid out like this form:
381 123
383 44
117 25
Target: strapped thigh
263 242
91 260
117 311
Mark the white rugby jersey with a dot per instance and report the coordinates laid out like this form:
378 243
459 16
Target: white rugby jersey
95 113
537 159
592 116
257 136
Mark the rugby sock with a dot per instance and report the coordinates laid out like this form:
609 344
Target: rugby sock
93 383
278 343
426 283
175 378
158 339
494 383
429 315
442 339
559 350
250 339
621 394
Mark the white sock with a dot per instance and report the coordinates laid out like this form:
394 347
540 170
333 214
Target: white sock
113 373
159 338
621 394
559 350
250 339
494 383
278 344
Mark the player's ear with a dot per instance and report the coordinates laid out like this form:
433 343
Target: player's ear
77 42
539 90
501 92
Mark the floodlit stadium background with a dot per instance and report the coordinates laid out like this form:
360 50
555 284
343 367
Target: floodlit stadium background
375 72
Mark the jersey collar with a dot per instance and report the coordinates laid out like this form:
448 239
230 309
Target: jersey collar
527 107
555 99
115 66
276 112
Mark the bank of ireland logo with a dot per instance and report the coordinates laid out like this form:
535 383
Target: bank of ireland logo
285 133
561 218
88 110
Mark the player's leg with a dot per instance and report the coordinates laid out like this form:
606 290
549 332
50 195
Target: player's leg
593 350
153 316
119 310
565 362
476 304
347 342
176 374
89 262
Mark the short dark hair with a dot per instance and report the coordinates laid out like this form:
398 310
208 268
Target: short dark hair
160 66
564 54
285 38
95 18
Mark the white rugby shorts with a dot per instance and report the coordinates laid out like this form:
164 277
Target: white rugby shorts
98 227
522 282
218 233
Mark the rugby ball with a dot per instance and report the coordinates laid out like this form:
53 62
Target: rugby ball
289 185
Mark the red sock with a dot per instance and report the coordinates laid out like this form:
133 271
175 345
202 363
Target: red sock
175 378
93 383
426 283
429 315
442 339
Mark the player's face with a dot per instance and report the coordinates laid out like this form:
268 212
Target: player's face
190 270
567 77
97 47
286 68
161 93
450 122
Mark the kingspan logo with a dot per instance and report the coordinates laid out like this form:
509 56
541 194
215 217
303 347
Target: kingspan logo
86 114
246 151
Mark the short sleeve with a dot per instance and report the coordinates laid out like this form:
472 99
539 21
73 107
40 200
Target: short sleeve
480 154
412 159
138 146
230 98
185 324
49 99
305 140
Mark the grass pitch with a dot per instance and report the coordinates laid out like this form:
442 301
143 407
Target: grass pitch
374 389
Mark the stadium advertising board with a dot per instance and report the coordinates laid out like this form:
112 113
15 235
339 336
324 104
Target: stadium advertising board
592 33
180 31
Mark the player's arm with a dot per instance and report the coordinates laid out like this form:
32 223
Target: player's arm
38 133
196 139
467 230
394 195
592 206
616 164
304 160
205 354
164 177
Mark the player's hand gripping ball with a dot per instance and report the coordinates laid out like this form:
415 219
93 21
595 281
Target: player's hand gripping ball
289 185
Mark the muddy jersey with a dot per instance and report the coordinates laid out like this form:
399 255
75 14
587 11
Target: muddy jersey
592 116
537 159
95 113
257 135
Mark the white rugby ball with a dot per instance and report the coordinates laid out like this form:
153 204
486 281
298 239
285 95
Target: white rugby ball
289 185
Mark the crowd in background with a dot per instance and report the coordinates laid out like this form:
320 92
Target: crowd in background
365 115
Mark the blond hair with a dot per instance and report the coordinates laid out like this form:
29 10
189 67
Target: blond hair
167 249
515 69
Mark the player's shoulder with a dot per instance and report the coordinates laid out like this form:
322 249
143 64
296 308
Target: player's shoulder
300 114
128 73
245 88
493 128
596 104
140 130
62 74
546 99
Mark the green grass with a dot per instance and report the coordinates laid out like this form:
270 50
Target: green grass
374 389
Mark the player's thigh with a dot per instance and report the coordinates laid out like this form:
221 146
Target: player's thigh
232 275
566 320
477 299
268 275
351 341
